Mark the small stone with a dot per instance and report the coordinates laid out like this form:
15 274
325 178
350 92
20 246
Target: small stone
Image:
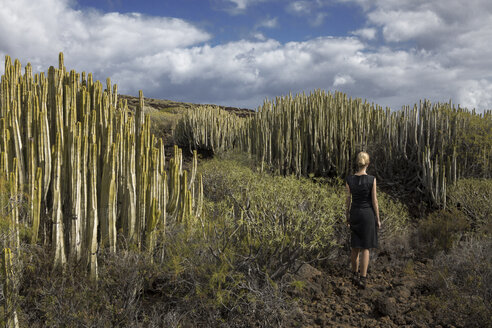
408 283
370 323
307 272
403 292
385 320
319 321
399 320
386 306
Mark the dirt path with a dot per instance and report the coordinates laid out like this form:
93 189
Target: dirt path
393 297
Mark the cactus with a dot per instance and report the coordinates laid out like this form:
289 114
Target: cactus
83 157
152 224
107 203
321 132
10 313
58 235
209 128
36 204
92 214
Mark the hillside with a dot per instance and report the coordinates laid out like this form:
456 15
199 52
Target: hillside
167 112
105 222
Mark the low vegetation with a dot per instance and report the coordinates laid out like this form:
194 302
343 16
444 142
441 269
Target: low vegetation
463 284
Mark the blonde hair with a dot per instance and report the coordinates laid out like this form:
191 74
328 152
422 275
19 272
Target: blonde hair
362 159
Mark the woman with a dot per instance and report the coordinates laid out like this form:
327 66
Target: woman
362 217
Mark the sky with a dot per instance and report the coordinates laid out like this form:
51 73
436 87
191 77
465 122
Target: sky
240 52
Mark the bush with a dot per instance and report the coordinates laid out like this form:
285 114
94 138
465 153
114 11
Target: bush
473 198
463 283
441 229
273 221
190 284
283 220
395 232
394 216
69 298
162 122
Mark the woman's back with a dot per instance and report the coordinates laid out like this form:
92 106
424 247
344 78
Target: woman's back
360 188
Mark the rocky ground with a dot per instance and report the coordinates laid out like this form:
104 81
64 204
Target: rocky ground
393 297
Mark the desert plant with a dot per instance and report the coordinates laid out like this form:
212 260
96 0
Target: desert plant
473 197
441 229
462 284
274 221
319 133
210 128
89 165
9 291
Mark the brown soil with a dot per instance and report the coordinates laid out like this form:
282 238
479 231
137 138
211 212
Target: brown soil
393 296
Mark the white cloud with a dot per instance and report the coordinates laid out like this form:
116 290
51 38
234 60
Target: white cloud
366 33
454 35
300 7
37 31
318 19
405 25
342 79
476 94
169 58
259 36
311 9
268 23
240 4
235 7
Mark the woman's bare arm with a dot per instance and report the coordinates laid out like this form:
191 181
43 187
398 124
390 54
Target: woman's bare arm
348 201
375 203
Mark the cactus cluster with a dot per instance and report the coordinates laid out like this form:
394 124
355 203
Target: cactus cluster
320 134
210 128
94 173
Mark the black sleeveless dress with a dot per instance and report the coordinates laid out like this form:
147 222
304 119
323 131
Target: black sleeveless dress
362 217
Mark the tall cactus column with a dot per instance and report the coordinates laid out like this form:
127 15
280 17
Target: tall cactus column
92 214
57 216
10 313
107 203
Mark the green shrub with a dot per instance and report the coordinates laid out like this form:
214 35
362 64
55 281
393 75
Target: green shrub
273 221
463 284
162 123
285 219
473 197
394 215
441 229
